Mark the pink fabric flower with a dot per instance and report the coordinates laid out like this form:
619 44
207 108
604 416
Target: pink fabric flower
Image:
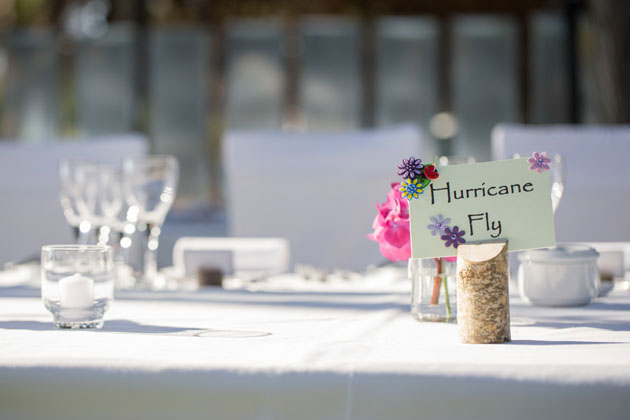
539 162
391 226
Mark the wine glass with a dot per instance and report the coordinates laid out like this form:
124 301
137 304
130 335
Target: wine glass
557 173
149 185
117 221
101 197
73 186
109 200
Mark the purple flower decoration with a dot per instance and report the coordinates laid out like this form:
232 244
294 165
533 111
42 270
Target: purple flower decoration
453 237
410 168
539 162
438 224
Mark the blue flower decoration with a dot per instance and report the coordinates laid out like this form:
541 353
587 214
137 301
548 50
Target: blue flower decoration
411 188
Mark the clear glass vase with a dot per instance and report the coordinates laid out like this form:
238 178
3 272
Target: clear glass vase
433 289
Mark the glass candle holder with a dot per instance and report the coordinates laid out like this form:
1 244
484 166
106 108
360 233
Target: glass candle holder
77 284
433 289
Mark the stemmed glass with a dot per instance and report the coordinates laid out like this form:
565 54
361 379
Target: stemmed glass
101 197
557 173
73 186
109 200
149 185
117 221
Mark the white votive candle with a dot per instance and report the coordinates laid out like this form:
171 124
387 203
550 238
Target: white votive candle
76 291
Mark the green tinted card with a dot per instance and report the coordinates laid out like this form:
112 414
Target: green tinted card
482 201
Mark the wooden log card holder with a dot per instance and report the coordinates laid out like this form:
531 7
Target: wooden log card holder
483 304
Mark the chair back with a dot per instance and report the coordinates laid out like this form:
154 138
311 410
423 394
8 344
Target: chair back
596 199
317 190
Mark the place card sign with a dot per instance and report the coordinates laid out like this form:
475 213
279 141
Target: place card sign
482 201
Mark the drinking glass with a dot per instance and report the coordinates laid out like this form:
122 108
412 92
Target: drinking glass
557 173
93 195
150 184
77 284
433 289
108 201
557 176
118 223
73 180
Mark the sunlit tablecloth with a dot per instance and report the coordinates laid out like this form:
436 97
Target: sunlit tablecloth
309 353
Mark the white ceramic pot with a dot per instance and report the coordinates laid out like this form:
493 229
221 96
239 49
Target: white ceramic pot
565 275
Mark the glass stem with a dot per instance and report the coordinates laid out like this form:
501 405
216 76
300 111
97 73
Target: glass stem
122 254
76 233
102 237
84 238
150 257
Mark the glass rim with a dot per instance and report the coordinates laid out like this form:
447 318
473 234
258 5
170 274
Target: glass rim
76 247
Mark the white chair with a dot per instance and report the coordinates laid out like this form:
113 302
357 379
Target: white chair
317 190
596 201
30 211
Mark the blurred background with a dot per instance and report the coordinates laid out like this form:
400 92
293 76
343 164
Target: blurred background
184 72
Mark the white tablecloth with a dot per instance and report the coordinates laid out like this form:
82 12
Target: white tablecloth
278 354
